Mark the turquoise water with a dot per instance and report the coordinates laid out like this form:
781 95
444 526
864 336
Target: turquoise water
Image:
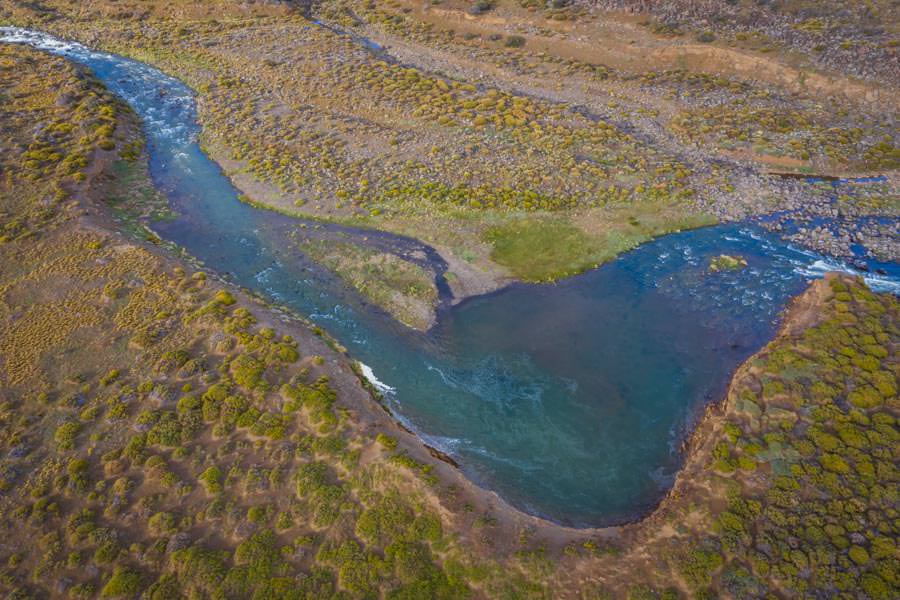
569 400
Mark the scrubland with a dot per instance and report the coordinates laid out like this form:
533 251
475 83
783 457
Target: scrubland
164 435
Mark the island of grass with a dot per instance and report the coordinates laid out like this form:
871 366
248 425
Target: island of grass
403 289
726 262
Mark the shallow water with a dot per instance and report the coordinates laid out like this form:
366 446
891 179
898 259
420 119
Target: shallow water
569 400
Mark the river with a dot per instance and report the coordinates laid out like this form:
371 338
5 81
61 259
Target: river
570 400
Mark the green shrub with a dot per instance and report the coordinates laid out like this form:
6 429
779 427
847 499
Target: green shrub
875 587
109 377
258 560
165 588
284 521
224 298
355 572
514 41
77 470
386 520
324 498
124 583
211 479
201 569
172 360
641 592
481 6
859 555
387 442
258 514
108 551
697 566
65 435
317 399
865 397
162 523
82 590
247 372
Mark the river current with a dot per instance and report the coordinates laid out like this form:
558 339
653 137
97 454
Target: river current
570 400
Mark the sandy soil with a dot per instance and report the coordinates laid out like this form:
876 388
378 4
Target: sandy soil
627 45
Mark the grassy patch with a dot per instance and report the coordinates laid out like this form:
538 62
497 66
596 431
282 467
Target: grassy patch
543 250
547 249
403 289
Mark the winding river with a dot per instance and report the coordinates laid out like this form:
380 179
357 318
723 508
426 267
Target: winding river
570 400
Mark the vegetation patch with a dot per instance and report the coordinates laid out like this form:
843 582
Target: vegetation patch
543 249
725 262
548 248
402 288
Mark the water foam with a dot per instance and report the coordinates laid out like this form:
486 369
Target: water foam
818 268
379 385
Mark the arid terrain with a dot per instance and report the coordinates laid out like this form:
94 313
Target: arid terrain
164 434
